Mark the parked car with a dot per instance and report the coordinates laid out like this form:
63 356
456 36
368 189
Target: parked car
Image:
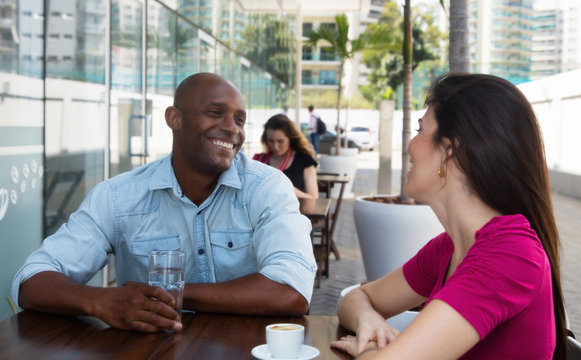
363 137
328 141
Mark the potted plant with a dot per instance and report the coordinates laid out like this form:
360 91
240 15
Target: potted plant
392 228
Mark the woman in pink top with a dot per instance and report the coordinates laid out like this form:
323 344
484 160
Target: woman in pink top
491 283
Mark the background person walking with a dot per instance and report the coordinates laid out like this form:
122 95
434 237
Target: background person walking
313 128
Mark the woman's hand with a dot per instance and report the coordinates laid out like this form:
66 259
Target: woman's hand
372 327
349 344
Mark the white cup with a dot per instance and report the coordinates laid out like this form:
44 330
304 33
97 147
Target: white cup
166 270
285 340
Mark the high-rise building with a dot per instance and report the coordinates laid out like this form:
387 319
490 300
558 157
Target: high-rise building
501 34
556 37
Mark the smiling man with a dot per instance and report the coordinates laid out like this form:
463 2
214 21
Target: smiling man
248 247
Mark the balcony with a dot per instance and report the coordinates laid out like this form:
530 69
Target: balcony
317 80
320 57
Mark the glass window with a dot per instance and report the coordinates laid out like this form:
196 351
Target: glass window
21 138
187 50
161 50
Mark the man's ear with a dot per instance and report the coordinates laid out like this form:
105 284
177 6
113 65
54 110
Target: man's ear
173 118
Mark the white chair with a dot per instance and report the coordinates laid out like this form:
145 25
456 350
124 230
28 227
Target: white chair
573 348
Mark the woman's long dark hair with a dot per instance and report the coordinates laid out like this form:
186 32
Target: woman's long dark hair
297 141
497 144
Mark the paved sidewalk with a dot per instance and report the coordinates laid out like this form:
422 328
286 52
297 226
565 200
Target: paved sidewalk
349 270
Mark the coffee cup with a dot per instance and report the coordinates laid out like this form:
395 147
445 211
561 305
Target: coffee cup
285 340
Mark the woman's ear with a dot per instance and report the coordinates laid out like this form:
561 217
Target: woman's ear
447 150
173 118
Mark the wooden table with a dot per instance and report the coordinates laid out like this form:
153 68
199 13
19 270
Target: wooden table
327 181
34 335
318 210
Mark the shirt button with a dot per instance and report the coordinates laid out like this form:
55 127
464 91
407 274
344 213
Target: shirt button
230 244
200 251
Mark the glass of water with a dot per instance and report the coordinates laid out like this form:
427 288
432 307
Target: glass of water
166 270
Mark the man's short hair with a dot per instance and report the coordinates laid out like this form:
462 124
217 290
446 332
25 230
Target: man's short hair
311 107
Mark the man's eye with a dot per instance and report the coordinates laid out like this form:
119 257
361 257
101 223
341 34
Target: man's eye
241 120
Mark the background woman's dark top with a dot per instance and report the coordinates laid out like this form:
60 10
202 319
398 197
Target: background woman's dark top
295 172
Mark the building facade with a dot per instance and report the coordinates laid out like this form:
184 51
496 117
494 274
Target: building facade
501 38
556 37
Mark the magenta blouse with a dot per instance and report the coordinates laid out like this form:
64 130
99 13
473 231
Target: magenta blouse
502 287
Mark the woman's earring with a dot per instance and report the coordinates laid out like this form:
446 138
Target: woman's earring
441 171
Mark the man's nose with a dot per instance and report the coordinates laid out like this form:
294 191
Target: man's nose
229 124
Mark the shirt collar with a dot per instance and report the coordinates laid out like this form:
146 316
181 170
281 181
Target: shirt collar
164 177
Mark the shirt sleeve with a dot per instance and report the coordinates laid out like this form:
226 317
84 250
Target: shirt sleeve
496 280
282 235
79 248
423 270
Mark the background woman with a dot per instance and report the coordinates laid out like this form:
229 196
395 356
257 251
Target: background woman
491 282
289 150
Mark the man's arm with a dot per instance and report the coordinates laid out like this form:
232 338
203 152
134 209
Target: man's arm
252 294
134 306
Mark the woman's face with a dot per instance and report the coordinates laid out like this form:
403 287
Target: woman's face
425 158
277 142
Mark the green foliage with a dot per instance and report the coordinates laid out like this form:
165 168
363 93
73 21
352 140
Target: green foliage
269 42
340 44
385 59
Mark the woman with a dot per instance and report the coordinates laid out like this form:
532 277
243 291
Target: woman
491 282
289 151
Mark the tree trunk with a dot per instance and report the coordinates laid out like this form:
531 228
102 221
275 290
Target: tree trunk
407 94
338 126
459 52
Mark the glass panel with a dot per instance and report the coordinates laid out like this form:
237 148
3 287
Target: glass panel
187 50
76 117
223 62
207 52
161 74
129 119
161 50
21 136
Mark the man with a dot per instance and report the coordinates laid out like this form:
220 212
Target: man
248 247
313 128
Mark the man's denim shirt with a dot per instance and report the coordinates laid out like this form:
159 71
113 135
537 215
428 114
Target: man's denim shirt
250 223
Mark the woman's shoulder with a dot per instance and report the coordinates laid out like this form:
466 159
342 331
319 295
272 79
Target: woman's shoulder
307 159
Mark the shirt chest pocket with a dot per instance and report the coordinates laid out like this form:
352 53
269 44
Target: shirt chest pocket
233 254
142 246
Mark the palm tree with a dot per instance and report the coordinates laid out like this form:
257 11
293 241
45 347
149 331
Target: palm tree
459 44
343 48
407 93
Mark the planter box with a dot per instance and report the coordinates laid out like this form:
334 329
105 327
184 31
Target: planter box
390 234
343 164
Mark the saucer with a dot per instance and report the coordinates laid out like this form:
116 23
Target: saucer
307 352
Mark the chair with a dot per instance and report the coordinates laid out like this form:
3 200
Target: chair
399 321
573 348
12 306
325 188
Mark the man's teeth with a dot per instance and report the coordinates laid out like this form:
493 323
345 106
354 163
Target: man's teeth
224 144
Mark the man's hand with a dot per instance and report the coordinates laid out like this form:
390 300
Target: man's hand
137 306
133 306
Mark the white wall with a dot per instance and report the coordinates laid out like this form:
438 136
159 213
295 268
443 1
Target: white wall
557 104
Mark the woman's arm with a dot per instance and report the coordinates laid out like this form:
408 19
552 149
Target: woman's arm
364 309
311 187
438 331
